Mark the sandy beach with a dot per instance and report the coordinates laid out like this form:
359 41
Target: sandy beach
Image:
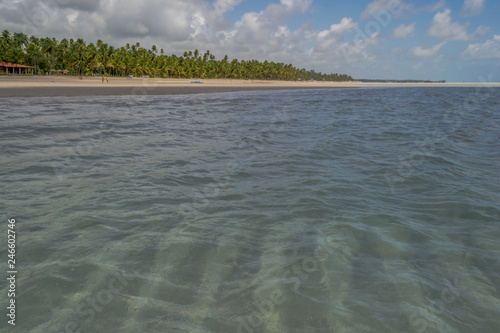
39 86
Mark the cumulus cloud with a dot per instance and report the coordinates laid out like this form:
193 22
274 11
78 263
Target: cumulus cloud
178 21
223 6
297 5
472 7
327 38
436 6
330 44
176 26
85 5
357 50
420 51
487 50
443 27
181 25
404 31
393 7
111 19
265 33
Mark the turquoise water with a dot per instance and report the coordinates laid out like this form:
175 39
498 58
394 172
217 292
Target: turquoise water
349 210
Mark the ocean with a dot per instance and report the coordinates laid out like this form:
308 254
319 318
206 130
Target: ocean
343 210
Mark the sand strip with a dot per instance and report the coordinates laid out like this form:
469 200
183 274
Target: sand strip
39 86
138 91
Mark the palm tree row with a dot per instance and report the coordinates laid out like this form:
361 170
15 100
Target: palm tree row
80 58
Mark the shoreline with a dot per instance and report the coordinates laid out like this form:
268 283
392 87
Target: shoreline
71 86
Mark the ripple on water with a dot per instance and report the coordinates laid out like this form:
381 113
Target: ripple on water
280 211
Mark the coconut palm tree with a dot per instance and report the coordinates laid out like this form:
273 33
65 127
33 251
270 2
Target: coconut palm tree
48 47
34 55
77 56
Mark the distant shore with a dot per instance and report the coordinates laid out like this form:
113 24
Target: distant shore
39 86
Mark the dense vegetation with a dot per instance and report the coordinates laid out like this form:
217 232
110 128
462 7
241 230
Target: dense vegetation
399 81
80 58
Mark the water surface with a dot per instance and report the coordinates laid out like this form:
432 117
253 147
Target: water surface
346 210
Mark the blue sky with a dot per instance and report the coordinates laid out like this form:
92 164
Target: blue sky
386 39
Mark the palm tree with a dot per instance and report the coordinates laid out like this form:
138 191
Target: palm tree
61 54
48 47
47 53
5 40
79 54
34 53
20 40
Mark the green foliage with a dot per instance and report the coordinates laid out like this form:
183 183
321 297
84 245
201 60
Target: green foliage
80 58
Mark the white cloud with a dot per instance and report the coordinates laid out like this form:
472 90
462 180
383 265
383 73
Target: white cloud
487 50
436 6
336 30
297 5
326 39
127 19
265 33
404 31
472 7
392 7
443 27
223 6
183 25
420 51
330 40
262 33
356 51
86 5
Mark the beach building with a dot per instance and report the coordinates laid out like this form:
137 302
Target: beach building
15 68
59 72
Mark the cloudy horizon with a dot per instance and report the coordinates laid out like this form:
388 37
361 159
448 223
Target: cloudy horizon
381 39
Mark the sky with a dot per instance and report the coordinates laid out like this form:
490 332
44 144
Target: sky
452 40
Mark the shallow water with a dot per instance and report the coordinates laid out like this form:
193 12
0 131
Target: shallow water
349 210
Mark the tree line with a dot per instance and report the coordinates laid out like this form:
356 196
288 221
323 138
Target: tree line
81 58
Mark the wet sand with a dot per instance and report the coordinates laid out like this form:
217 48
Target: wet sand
36 86
39 86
